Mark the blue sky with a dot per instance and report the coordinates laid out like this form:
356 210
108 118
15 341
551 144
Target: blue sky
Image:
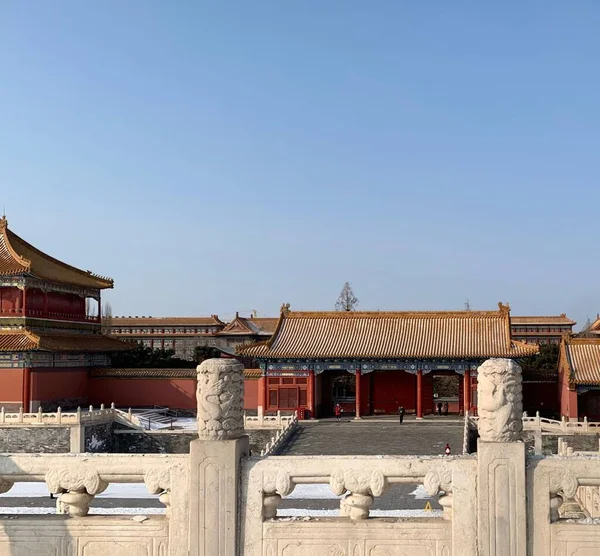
223 156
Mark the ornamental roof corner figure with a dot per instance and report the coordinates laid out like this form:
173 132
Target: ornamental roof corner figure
391 335
18 257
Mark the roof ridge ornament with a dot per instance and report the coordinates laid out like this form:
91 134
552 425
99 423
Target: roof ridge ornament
285 309
503 308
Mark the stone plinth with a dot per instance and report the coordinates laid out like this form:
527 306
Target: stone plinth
501 499
214 495
215 459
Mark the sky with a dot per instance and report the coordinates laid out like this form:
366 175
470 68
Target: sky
215 157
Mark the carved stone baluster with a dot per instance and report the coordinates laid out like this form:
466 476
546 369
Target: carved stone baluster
77 487
274 487
362 488
563 486
440 480
158 481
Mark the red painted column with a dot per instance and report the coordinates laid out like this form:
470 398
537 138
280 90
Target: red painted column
262 387
25 302
357 393
419 394
467 390
99 308
311 393
265 397
45 314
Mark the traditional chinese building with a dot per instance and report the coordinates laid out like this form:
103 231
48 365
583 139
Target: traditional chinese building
47 340
579 377
181 334
245 330
594 329
184 334
375 362
541 330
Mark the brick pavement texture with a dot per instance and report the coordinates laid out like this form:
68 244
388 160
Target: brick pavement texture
349 437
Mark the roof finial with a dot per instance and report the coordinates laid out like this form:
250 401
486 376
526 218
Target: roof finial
285 308
504 308
3 220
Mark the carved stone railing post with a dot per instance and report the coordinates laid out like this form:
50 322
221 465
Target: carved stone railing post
501 483
159 482
77 487
274 487
440 480
362 488
215 458
563 486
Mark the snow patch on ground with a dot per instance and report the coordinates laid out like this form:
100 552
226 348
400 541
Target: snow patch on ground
22 510
95 443
313 492
420 493
324 492
293 512
114 490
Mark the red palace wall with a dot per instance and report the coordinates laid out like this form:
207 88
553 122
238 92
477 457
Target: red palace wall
11 388
251 393
568 398
65 387
8 299
175 393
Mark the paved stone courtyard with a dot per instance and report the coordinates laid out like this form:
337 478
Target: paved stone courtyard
378 436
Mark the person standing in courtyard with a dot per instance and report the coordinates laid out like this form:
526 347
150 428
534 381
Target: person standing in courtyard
446 409
338 411
439 408
401 413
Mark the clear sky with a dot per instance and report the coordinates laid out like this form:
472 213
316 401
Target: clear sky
222 156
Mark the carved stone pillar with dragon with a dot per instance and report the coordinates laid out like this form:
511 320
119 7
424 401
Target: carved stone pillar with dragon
501 498
215 458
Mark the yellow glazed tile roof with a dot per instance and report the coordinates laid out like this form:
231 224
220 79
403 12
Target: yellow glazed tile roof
159 322
583 359
243 326
391 335
144 373
560 320
18 257
25 340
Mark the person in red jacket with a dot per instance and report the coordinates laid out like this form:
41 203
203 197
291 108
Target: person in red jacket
338 411
447 450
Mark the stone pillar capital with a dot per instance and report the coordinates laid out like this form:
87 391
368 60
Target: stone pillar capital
500 401
220 398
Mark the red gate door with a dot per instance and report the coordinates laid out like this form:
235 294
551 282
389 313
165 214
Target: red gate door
288 398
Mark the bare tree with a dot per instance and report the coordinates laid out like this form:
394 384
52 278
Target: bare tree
586 330
467 305
346 301
106 318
